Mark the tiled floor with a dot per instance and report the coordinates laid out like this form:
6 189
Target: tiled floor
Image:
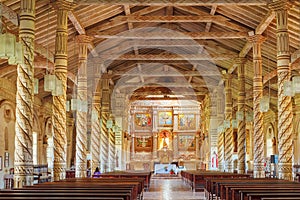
171 189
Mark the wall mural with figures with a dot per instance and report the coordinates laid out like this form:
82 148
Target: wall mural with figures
143 143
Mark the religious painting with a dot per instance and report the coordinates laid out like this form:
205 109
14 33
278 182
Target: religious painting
165 118
143 143
186 122
187 143
164 139
142 121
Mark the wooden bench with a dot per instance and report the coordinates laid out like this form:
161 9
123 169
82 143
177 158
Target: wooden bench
134 185
259 195
123 174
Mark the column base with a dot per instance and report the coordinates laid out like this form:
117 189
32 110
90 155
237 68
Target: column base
285 171
259 170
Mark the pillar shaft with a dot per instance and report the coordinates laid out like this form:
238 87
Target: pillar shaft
285 115
24 98
241 124
81 115
96 131
221 151
258 171
228 131
104 149
59 102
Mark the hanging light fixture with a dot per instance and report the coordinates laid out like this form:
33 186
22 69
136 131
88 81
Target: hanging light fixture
264 104
226 124
288 89
234 123
10 49
249 116
240 115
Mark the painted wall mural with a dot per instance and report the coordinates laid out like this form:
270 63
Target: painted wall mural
186 122
143 121
143 143
165 118
187 143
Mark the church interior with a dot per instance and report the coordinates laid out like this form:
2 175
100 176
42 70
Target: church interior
163 86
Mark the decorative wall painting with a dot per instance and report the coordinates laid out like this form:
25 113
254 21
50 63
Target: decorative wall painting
187 143
165 118
143 120
186 122
143 143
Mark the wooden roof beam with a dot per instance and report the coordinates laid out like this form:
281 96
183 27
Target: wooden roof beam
174 35
81 30
167 57
172 2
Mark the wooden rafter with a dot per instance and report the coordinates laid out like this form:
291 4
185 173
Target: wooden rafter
174 35
172 2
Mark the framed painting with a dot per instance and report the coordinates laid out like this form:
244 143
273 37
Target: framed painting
186 121
187 143
142 120
143 143
165 118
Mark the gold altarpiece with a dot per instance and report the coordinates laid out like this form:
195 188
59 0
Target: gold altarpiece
162 135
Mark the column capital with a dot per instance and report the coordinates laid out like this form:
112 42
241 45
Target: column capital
240 61
63 5
83 39
256 39
280 5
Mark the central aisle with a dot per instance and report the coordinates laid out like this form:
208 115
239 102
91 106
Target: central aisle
171 189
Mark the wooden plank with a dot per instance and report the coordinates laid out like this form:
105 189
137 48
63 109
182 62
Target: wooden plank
175 2
173 35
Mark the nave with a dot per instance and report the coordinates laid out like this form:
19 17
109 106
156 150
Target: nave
171 189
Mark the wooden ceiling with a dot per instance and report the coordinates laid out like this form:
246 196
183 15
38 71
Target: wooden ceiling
160 47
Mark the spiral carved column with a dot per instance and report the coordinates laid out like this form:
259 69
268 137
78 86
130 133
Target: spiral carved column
285 115
241 124
96 131
259 171
221 151
104 148
59 102
112 149
81 115
228 131
23 163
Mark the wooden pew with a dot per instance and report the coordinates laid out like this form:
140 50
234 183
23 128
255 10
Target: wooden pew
259 195
140 181
124 174
136 185
133 186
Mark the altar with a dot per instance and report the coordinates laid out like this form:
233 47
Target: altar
164 168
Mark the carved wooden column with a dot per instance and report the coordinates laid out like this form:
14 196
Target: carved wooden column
59 102
23 163
285 115
96 131
104 130
221 151
81 115
154 155
258 170
70 127
221 139
241 123
228 131
112 148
